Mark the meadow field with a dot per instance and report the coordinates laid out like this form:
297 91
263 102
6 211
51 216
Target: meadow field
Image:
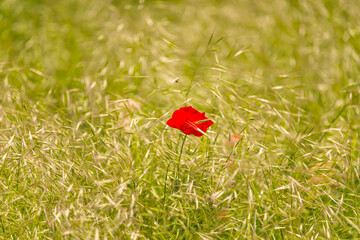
86 89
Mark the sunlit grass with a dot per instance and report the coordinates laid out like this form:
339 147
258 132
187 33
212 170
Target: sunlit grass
86 88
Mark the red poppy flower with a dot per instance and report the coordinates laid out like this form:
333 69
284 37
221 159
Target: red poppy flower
190 121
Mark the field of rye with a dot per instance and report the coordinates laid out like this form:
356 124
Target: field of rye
92 145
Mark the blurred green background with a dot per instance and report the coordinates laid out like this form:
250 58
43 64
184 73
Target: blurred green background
86 87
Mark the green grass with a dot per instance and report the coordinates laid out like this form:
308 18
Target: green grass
86 88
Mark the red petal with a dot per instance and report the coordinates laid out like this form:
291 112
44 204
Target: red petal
187 128
204 126
174 123
188 113
197 133
185 119
190 128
